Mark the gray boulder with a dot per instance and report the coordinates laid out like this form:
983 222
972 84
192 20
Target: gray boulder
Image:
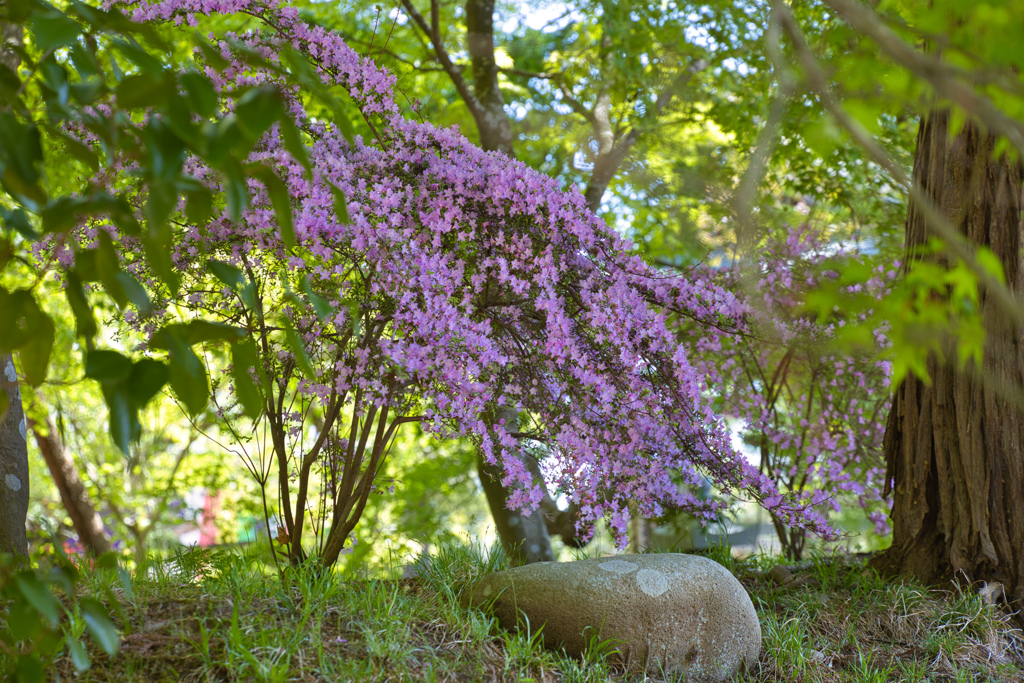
665 613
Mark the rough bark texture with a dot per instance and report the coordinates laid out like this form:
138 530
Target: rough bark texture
13 449
491 120
10 33
86 521
954 447
13 465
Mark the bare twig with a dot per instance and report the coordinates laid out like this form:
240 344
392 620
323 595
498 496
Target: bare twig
433 33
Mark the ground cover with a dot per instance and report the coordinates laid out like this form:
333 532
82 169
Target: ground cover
222 616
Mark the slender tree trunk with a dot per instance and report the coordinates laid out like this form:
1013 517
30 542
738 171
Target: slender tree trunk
75 498
13 465
955 447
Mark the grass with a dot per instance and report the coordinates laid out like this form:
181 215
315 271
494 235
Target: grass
222 616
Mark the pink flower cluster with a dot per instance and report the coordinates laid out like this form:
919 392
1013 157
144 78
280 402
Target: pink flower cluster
814 414
465 282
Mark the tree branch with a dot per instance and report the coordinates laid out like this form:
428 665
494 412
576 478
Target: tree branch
433 34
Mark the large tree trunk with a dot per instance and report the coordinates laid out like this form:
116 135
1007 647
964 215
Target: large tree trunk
13 465
955 447
84 518
13 449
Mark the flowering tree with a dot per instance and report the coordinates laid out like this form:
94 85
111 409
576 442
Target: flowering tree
416 278
813 411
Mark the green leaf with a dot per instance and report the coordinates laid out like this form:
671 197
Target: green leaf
108 265
38 595
85 322
199 206
201 95
123 415
79 657
62 213
53 29
221 137
187 375
63 575
258 109
35 357
21 149
280 199
340 204
116 68
236 280
227 273
166 150
294 143
210 53
160 203
298 348
147 378
28 669
17 218
245 362
10 84
158 245
85 61
201 331
105 365
107 560
99 626
28 331
324 310
143 91
78 150
305 74
237 192
88 92
58 86
178 116
135 292
990 263
140 57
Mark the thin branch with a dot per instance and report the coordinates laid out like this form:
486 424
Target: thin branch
433 33
512 71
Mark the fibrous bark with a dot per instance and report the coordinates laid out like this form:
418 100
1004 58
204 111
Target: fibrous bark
13 465
955 446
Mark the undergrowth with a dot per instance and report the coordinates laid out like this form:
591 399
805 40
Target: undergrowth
225 616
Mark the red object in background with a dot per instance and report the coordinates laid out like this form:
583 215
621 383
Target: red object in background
208 527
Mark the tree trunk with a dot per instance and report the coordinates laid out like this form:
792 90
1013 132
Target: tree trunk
13 449
525 537
13 465
955 448
75 498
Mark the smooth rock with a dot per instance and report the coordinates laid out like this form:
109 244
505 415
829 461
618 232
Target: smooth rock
666 613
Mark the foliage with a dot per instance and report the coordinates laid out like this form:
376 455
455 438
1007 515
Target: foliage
37 626
65 117
810 407
833 620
